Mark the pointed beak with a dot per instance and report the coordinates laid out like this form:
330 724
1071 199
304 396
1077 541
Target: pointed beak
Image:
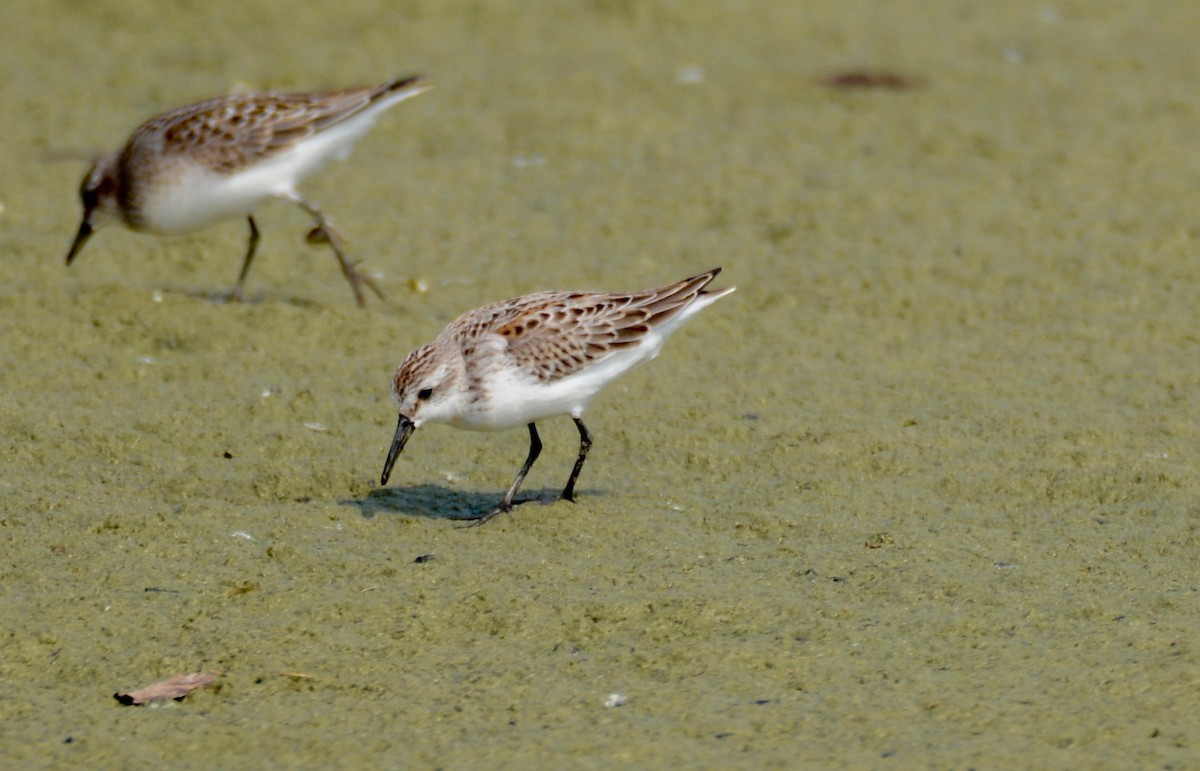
404 430
85 232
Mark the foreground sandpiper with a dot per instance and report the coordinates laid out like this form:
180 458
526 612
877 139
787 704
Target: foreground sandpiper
225 157
534 357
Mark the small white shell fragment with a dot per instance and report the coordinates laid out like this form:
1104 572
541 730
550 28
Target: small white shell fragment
525 161
690 75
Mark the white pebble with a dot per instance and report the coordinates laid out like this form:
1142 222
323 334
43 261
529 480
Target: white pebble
689 75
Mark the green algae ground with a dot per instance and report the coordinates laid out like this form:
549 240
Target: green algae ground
923 492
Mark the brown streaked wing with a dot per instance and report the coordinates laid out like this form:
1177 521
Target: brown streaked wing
555 334
560 333
240 129
565 333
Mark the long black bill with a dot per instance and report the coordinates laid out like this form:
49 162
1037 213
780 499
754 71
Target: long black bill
85 232
404 430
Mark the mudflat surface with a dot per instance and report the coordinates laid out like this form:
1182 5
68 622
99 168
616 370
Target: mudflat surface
922 492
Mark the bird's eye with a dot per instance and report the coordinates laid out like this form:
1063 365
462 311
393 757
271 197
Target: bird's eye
424 393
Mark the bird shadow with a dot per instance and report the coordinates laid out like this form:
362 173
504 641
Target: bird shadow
225 297
437 502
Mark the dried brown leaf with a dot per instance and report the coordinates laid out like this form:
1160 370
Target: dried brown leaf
175 688
850 80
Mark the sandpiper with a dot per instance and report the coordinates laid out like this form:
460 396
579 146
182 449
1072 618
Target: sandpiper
224 157
534 357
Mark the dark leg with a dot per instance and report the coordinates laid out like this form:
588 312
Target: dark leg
236 294
506 503
585 444
324 233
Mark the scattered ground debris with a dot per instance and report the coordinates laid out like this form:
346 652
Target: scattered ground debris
175 688
854 80
879 540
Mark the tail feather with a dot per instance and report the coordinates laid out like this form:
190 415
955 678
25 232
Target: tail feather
664 301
